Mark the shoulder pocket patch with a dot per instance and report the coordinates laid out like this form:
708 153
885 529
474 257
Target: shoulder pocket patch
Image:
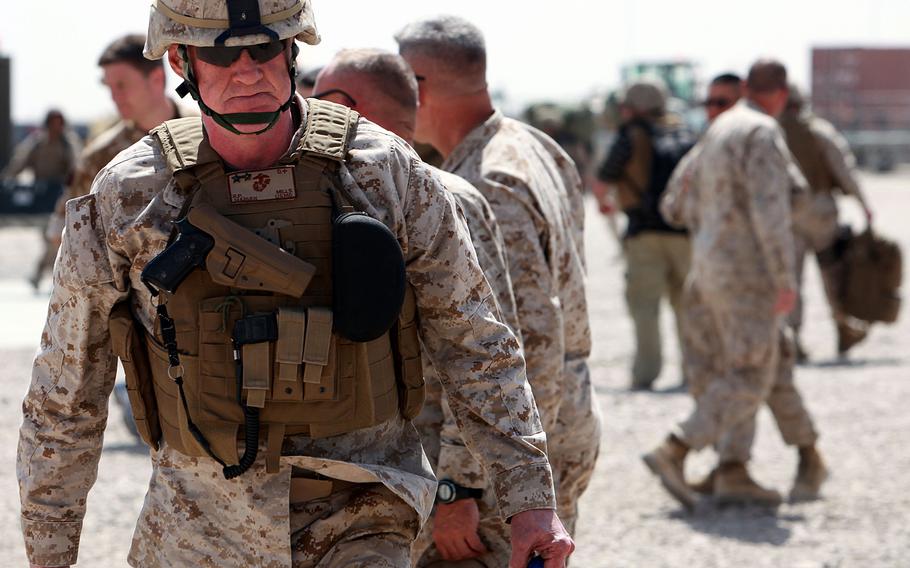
83 257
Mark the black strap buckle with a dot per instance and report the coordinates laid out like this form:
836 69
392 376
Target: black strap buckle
257 328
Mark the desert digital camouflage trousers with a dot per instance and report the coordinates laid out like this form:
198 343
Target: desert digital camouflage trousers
363 525
737 358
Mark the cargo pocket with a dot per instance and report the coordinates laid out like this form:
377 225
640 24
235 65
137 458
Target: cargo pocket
128 344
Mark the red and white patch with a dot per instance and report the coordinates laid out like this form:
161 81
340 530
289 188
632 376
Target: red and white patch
262 185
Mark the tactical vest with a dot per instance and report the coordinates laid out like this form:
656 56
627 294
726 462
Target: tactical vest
307 380
808 152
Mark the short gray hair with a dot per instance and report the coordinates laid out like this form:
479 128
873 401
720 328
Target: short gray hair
387 70
456 42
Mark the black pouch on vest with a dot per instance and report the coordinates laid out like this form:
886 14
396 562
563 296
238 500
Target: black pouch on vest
368 277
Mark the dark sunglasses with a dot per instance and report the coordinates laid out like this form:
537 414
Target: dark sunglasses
226 56
341 92
718 102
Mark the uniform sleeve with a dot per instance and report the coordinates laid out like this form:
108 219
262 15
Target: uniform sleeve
477 357
839 158
536 291
770 175
23 157
65 409
455 462
676 203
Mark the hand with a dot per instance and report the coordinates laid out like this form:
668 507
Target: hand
539 531
786 301
455 530
601 192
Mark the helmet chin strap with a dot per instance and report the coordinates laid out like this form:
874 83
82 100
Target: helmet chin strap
229 120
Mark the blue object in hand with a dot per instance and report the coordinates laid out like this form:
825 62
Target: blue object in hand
536 562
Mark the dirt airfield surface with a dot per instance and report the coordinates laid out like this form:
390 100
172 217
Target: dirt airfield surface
860 406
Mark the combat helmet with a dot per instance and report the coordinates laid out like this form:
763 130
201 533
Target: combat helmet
647 96
229 23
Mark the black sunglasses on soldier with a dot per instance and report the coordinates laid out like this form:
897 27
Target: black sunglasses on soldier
718 102
226 56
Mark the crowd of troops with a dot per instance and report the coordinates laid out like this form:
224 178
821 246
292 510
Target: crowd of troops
491 238
721 228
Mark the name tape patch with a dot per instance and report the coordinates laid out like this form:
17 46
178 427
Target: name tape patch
262 185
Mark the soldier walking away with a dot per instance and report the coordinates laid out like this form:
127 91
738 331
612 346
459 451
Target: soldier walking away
50 154
646 150
534 190
824 157
701 346
315 252
743 267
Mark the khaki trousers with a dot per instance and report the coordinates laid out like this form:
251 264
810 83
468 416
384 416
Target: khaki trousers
656 267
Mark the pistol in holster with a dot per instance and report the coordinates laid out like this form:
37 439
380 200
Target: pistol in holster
233 255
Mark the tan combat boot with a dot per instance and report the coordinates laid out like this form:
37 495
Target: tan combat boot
706 485
667 462
810 475
733 485
848 336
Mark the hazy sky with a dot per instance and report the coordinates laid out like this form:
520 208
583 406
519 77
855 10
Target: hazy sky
536 50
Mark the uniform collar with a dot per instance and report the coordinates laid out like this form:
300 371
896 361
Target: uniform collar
174 196
475 139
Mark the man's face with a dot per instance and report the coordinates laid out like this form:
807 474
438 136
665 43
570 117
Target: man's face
132 91
55 126
424 70
245 85
721 97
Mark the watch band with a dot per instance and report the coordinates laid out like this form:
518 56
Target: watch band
448 492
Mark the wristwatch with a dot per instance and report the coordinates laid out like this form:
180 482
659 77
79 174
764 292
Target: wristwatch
448 492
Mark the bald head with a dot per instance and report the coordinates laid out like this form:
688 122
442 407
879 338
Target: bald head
450 49
766 85
766 75
378 84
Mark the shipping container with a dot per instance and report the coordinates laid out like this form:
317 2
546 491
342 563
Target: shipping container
865 93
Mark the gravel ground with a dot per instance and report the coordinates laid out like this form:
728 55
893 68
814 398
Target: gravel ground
626 518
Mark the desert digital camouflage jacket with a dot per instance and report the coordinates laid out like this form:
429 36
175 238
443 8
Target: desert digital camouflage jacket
115 231
742 180
535 192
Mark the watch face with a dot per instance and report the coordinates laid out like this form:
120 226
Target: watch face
445 493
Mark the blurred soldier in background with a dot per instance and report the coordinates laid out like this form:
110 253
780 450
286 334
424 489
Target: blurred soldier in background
744 266
382 87
535 192
724 91
306 81
638 165
825 159
700 345
137 89
50 154
557 123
